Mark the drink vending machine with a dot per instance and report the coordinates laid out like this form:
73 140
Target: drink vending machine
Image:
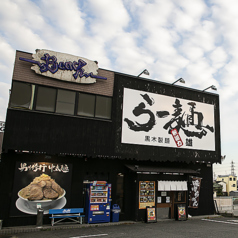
98 202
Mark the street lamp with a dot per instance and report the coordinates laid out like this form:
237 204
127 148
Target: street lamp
212 87
181 80
145 71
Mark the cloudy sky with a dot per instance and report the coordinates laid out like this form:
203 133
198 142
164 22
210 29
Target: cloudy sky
195 40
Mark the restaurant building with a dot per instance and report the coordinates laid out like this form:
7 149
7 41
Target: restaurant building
154 142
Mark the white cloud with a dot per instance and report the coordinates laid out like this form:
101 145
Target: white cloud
107 19
195 9
218 57
7 58
188 14
4 96
65 16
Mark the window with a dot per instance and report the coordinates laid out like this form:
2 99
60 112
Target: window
21 95
61 101
94 106
179 196
234 179
65 102
103 107
86 105
233 185
46 99
230 179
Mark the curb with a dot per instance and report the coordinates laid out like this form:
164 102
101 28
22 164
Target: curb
64 226
204 216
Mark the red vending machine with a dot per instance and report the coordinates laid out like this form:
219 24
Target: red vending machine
98 202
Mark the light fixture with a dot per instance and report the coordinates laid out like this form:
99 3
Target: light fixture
145 71
181 80
223 157
212 87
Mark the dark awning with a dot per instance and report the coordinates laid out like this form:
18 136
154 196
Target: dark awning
152 169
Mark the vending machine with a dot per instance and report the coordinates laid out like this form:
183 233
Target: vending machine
98 202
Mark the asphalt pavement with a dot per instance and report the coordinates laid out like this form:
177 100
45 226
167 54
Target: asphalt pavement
203 226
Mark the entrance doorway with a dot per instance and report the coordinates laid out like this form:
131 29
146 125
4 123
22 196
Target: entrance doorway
167 203
169 195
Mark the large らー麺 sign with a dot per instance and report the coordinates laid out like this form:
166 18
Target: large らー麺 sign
159 120
64 67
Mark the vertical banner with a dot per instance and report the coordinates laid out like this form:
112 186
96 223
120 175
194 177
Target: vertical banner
194 193
40 185
146 194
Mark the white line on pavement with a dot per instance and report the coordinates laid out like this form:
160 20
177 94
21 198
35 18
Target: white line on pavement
233 220
226 222
90 236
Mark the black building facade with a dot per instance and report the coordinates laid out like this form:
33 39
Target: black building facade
131 132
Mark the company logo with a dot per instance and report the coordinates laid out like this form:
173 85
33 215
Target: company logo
176 137
66 211
60 66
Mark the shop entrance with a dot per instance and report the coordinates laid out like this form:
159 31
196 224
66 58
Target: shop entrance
167 203
169 195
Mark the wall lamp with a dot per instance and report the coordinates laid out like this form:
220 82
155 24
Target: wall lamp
212 87
145 71
181 80
223 157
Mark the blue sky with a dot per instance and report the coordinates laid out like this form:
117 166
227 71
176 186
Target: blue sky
195 40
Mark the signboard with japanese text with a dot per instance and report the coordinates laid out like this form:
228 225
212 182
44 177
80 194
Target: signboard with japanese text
47 185
159 120
151 214
195 192
181 212
2 126
64 67
167 199
146 194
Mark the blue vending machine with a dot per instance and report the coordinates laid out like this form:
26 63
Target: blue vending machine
98 202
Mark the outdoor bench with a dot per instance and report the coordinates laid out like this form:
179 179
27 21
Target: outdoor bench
73 214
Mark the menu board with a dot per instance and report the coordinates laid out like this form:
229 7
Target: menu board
182 212
146 194
151 215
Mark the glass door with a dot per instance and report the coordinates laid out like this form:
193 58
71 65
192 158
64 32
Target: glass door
165 205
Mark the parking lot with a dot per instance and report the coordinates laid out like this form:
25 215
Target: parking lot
204 227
